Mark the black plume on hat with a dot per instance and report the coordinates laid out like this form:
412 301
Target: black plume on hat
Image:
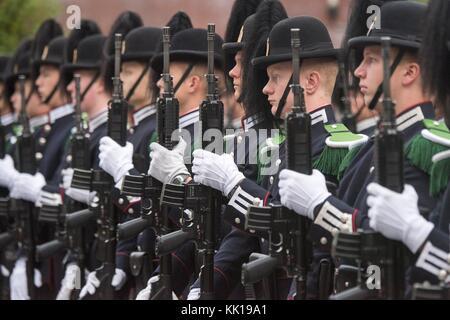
123 24
179 22
269 13
435 53
240 11
87 28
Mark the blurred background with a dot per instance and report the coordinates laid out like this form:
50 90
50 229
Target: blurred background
20 18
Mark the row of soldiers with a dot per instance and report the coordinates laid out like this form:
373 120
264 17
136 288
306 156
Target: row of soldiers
111 189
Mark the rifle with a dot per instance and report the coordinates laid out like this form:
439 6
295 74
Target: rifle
70 235
287 231
168 121
369 246
102 205
200 219
25 210
211 117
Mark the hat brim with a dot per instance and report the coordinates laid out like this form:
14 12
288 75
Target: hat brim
233 47
39 63
365 41
136 57
184 55
265 61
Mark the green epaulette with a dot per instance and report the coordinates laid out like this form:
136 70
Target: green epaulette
336 155
265 152
427 150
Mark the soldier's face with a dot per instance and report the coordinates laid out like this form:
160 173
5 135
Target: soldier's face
130 73
34 106
46 82
236 74
279 76
370 72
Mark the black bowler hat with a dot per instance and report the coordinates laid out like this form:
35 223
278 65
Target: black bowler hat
315 41
88 54
241 11
190 45
141 43
246 31
53 54
123 24
20 64
400 20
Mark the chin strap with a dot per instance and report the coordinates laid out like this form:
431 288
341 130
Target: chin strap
379 92
283 99
183 77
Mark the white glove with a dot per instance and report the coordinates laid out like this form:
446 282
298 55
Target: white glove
18 280
145 293
4 271
302 192
93 282
69 282
115 159
83 196
218 172
396 215
67 175
167 164
8 174
27 187
49 199
194 294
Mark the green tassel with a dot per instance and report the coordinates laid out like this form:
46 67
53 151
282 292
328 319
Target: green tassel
347 160
329 160
420 152
439 177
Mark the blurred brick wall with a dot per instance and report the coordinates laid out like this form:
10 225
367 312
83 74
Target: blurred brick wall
158 12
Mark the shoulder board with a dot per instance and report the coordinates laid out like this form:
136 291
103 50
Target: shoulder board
428 152
436 132
342 137
338 145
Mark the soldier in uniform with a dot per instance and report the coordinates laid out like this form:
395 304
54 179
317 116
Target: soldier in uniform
349 207
188 58
248 83
20 64
397 216
51 138
87 58
124 24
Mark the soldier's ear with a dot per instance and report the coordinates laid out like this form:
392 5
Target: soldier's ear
411 73
312 82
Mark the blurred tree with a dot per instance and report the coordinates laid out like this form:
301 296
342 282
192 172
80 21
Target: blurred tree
21 18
